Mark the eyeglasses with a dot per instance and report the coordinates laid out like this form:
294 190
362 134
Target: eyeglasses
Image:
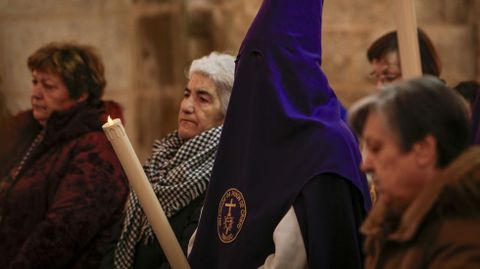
385 70
383 78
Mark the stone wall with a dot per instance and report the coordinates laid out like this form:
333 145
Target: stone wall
147 45
347 34
349 27
26 25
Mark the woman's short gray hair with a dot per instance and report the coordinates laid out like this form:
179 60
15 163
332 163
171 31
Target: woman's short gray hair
220 68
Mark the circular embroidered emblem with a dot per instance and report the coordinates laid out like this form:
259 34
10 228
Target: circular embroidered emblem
232 211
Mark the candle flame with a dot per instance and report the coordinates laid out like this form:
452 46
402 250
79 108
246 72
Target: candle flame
110 121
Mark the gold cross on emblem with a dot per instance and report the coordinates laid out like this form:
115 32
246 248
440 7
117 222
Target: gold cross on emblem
230 206
229 219
229 222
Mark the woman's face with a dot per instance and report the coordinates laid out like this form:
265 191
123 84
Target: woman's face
49 94
398 175
200 108
386 69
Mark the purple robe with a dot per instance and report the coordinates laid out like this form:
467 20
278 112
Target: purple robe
282 137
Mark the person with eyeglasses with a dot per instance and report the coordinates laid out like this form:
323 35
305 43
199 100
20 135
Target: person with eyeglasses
383 55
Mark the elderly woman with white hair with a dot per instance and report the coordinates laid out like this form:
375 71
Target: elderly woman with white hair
180 166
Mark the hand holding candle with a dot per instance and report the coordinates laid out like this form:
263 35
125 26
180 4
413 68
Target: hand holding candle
138 180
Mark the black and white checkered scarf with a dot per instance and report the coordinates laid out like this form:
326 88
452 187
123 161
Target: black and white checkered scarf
179 171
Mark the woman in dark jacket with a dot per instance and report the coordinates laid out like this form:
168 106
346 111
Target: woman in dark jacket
61 185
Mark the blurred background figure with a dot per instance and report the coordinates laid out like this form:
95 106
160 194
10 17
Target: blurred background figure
61 185
468 90
428 210
180 166
383 55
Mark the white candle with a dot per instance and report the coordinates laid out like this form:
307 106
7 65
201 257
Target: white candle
408 38
138 180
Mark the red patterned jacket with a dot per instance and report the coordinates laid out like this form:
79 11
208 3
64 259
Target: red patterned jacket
60 210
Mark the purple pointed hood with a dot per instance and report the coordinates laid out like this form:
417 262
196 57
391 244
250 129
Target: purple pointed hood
282 128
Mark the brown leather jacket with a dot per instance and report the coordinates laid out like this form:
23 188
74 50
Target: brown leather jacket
440 229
